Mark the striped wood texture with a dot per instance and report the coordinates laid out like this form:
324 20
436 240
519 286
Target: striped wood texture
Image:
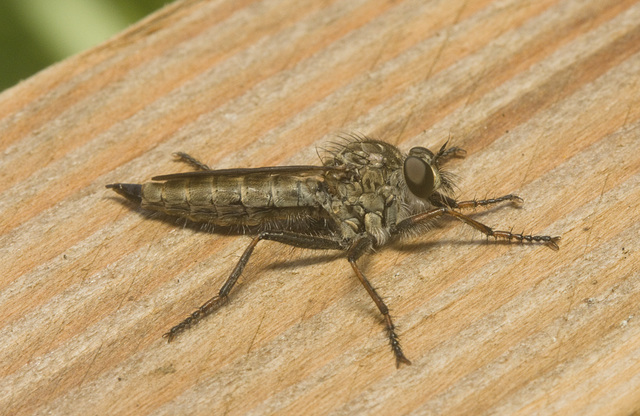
545 97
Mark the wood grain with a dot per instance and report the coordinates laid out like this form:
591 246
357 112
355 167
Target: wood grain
545 97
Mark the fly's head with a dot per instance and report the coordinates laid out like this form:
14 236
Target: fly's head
423 177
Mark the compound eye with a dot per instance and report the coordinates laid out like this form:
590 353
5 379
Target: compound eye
419 177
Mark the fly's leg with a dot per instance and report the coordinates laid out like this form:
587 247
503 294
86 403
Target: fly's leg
445 153
475 203
192 161
407 224
443 201
357 250
284 237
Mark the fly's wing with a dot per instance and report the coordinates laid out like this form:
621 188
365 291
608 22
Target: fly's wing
296 170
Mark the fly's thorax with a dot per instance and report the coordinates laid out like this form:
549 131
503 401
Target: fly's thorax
367 202
233 200
364 153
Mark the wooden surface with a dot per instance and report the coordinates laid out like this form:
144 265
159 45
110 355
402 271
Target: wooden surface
545 97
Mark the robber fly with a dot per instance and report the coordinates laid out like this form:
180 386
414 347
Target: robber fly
365 194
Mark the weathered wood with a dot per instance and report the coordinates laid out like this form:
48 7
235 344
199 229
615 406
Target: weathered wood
543 95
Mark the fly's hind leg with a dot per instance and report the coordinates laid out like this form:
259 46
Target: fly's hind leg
355 252
192 161
284 237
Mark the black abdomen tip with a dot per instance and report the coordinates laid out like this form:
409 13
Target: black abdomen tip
131 191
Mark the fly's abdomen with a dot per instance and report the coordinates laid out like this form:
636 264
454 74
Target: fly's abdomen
233 200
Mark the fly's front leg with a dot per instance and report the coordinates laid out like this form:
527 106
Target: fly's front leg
475 203
409 223
443 201
285 237
357 250
190 160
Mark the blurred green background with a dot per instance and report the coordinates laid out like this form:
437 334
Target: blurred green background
36 33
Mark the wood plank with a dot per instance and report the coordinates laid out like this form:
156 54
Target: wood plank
544 96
